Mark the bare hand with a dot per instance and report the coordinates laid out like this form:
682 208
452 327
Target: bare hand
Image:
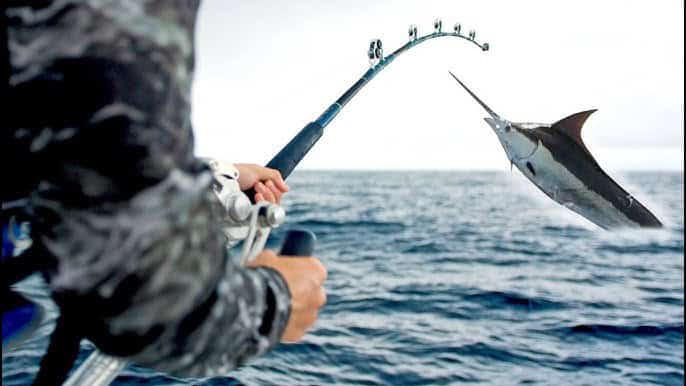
305 277
268 183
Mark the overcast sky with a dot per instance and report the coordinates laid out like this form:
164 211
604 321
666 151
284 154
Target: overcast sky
267 68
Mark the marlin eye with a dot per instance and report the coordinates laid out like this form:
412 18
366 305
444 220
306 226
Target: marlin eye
508 128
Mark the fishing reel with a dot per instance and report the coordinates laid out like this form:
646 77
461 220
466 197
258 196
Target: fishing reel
244 221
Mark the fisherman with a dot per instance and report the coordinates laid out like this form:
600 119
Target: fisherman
98 137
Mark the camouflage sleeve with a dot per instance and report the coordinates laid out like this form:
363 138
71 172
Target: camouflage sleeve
100 123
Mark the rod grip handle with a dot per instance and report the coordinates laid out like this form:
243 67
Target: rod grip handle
298 242
290 155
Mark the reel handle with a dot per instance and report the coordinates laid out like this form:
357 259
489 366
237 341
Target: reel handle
298 242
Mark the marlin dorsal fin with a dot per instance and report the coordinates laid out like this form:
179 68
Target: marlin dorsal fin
571 126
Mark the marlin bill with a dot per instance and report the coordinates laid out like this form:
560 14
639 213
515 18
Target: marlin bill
556 160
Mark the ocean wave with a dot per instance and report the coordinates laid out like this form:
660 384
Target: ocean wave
430 247
580 363
611 331
667 300
490 352
649 248
512 300
375 226
533 251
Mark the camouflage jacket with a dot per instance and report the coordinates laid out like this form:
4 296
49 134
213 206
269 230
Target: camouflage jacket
98 136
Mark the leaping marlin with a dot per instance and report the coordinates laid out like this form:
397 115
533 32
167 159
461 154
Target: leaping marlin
556 160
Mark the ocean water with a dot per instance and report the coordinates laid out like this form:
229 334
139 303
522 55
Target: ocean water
439 278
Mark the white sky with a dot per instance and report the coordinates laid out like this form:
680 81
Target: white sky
267 68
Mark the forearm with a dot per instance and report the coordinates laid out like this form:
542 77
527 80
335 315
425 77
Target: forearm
234 331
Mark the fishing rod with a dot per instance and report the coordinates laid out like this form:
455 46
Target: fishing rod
290 155
100 369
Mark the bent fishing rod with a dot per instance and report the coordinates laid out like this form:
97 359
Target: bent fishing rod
100 369
291 154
